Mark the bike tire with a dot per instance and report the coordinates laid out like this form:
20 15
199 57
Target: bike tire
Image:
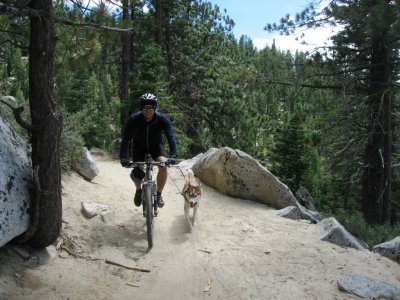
147 189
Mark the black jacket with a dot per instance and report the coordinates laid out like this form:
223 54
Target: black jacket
147 135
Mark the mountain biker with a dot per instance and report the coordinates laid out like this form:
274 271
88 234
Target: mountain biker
145 128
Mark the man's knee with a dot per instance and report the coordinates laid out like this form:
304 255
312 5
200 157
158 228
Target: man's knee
137 175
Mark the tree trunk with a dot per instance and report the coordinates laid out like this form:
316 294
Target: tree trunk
377 179
158 14
47 126
126 65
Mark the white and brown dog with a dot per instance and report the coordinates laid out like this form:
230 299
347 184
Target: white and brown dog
192 193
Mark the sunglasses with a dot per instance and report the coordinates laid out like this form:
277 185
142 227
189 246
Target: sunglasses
148 107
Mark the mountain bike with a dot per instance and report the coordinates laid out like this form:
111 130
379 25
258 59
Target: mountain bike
149 194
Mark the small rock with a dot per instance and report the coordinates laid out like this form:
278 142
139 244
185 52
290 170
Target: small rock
91 209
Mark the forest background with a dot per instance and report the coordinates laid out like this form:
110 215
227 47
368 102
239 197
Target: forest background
325 120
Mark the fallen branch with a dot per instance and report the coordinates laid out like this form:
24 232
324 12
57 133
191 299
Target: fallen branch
205 251
126 267
130 284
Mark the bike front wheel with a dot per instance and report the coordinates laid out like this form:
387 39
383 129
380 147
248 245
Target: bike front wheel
147 189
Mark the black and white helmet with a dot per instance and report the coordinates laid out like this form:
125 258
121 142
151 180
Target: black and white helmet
148 99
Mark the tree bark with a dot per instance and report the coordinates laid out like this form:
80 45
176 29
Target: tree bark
377 179
158 14
47 125
126 65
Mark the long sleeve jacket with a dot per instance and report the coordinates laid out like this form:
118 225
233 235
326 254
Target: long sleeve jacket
147 135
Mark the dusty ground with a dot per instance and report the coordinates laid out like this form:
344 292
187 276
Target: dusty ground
239 250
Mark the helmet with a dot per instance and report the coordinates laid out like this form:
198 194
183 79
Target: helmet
148 99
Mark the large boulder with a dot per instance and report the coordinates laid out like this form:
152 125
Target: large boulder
237 174
15 177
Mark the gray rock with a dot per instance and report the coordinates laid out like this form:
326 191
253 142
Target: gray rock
307 214
367 287
91 209
15 177
332 231
86 166
389 249
299 212
237 174
305 199
290 212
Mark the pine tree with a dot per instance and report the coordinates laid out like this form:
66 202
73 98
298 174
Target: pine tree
289 158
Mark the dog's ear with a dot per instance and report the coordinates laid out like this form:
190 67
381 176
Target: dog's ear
185 187
198 188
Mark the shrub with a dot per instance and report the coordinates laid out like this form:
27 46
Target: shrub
71 143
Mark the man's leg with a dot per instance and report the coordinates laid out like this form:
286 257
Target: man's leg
137 175
161 180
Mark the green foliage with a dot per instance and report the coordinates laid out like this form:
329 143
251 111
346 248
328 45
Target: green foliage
83 94
72 142
290 160
151 77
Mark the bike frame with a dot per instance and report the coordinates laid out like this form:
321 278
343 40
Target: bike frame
149 195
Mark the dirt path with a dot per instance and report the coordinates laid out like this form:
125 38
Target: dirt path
239 250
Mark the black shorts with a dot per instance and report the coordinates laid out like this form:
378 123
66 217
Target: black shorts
139 154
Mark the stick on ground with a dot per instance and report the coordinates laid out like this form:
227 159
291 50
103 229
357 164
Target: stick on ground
126 267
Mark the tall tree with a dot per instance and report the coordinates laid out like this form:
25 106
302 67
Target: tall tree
125 63
363 56
46 126
290 163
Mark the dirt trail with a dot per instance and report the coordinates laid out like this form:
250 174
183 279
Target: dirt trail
239 250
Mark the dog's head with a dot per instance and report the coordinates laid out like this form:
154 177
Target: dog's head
192 194
192 189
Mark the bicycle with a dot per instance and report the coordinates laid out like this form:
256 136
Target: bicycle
149 194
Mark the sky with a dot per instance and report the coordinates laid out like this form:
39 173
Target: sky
251 16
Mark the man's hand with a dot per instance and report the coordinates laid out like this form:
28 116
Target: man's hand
124 162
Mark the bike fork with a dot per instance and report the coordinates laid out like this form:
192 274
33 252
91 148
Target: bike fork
153 198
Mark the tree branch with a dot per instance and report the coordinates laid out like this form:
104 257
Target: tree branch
21 11
315 86
92 26
17 114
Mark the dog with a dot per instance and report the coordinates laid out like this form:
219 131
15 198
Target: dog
191 191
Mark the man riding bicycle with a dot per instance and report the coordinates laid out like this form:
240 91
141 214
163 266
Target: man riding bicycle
145 129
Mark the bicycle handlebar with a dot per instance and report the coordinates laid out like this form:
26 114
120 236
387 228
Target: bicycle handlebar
133 164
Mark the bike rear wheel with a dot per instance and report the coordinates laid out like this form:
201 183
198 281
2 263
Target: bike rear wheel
147 189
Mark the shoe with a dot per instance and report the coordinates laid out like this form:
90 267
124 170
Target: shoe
138 197
160 201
